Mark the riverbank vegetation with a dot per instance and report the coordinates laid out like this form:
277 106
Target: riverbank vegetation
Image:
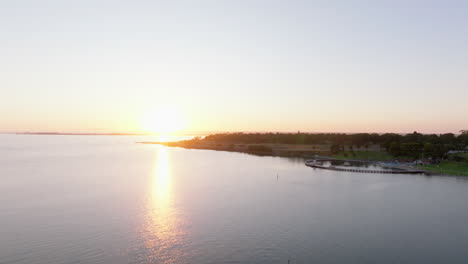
444 153
368 146
413 146
364 155
448 168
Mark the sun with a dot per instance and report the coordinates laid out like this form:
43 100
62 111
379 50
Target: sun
163 120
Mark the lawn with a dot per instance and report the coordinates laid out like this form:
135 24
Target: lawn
448 167
364 155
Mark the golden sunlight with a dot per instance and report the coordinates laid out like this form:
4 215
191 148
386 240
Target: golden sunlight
163 120
162 179
163 232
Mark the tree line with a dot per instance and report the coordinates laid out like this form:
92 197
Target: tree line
414 145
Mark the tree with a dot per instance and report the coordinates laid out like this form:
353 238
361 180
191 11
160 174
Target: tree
463 138
412 149
428 149
448 138
395 149
413 137
439 151
335 148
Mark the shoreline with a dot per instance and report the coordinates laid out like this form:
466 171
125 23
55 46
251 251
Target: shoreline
284 150
274 150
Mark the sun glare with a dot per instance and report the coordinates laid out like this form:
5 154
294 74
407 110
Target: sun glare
163 120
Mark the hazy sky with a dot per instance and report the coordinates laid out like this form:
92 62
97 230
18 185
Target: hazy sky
349 66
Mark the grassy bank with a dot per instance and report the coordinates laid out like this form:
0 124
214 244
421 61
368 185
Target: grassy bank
448 167
364 155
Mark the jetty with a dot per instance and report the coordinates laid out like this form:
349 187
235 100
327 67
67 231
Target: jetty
318 163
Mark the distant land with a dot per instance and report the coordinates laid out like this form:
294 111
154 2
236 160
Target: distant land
81 134
97 134
441 153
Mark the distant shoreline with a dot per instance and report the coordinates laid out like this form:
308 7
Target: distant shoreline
91 134
290 152
276 150
81 134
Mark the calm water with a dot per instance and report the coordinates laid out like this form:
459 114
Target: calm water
104 199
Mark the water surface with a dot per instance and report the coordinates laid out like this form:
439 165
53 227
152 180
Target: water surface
105 199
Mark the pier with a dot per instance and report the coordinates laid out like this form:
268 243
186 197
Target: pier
318 164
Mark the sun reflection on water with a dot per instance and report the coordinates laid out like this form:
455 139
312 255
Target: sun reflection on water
163 231
161 192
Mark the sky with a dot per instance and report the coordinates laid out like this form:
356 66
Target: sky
311 66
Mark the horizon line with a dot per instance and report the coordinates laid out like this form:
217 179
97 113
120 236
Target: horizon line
193 133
